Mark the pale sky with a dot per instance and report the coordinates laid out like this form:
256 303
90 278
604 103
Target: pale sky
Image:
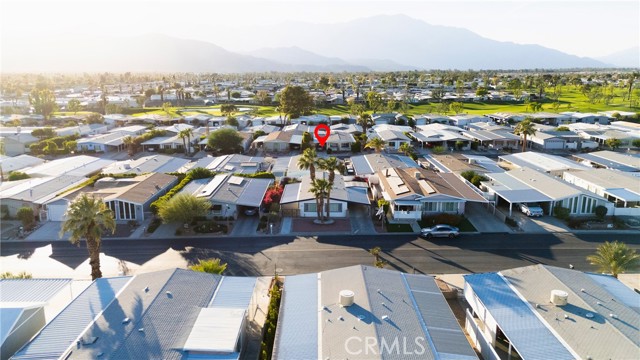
584 28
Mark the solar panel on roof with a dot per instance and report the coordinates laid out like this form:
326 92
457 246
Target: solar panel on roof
424 185
402 189
228 167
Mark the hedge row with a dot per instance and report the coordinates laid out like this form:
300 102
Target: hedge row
269 330
184 180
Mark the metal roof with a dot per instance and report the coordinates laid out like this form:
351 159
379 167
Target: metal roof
624 194
234 292
147 164
30 290
41 190
513 190
224 323
15 163
297 330
542 162
369 164
600 336
613 160
81 165
621 291
389 297
248 192
548 185
60 334
484 162
528 334
388 305
443 329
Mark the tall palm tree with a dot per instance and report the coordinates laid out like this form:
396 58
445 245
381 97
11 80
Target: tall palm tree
524 129
365 121
129 142
87 217
331 165
615 258
376 143
320 188
185 135
308 161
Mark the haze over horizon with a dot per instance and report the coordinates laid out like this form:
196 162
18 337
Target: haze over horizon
582 28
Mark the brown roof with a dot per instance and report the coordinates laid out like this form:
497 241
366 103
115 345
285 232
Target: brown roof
283 136
147 188
442 183
456 164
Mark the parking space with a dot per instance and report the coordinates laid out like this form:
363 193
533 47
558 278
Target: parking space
483 220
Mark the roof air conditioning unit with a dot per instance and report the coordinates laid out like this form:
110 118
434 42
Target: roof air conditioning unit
559 297
346 298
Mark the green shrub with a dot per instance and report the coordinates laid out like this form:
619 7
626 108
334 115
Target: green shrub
438 150
26 215
17 175
575 223
154 225
511 222
600 211
258 175
477 179
269 329
561 213
443 218
356 147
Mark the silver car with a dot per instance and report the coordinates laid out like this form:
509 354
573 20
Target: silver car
440 231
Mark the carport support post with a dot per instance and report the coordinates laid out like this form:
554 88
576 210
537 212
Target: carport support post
510 206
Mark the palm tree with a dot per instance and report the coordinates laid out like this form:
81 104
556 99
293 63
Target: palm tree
319 188
524 129
376 143
406 148
87 217
308 161
331 165
185 135
211 266
365 121
615 258
129 142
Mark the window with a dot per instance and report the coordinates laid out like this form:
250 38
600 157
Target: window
429 207
120 210
584 204
449 206
310 207
392 144
337 207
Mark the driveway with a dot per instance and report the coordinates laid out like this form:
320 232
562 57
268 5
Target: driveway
361 221
245 225
483 220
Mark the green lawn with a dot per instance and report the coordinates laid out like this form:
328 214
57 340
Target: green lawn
465 225
570 99
399 228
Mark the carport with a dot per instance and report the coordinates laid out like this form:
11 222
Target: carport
513 191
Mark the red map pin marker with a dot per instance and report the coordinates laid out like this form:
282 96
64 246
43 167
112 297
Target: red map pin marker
322 139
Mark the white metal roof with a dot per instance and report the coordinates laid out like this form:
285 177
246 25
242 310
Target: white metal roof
216 330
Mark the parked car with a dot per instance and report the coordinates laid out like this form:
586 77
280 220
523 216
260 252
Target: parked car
251 211
440 231
531 209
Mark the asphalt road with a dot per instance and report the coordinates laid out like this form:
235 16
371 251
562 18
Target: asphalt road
297 255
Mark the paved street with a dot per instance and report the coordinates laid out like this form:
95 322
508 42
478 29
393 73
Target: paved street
296 255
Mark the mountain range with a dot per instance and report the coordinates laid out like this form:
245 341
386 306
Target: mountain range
380 43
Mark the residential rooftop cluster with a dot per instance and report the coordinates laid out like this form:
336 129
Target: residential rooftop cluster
358 312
